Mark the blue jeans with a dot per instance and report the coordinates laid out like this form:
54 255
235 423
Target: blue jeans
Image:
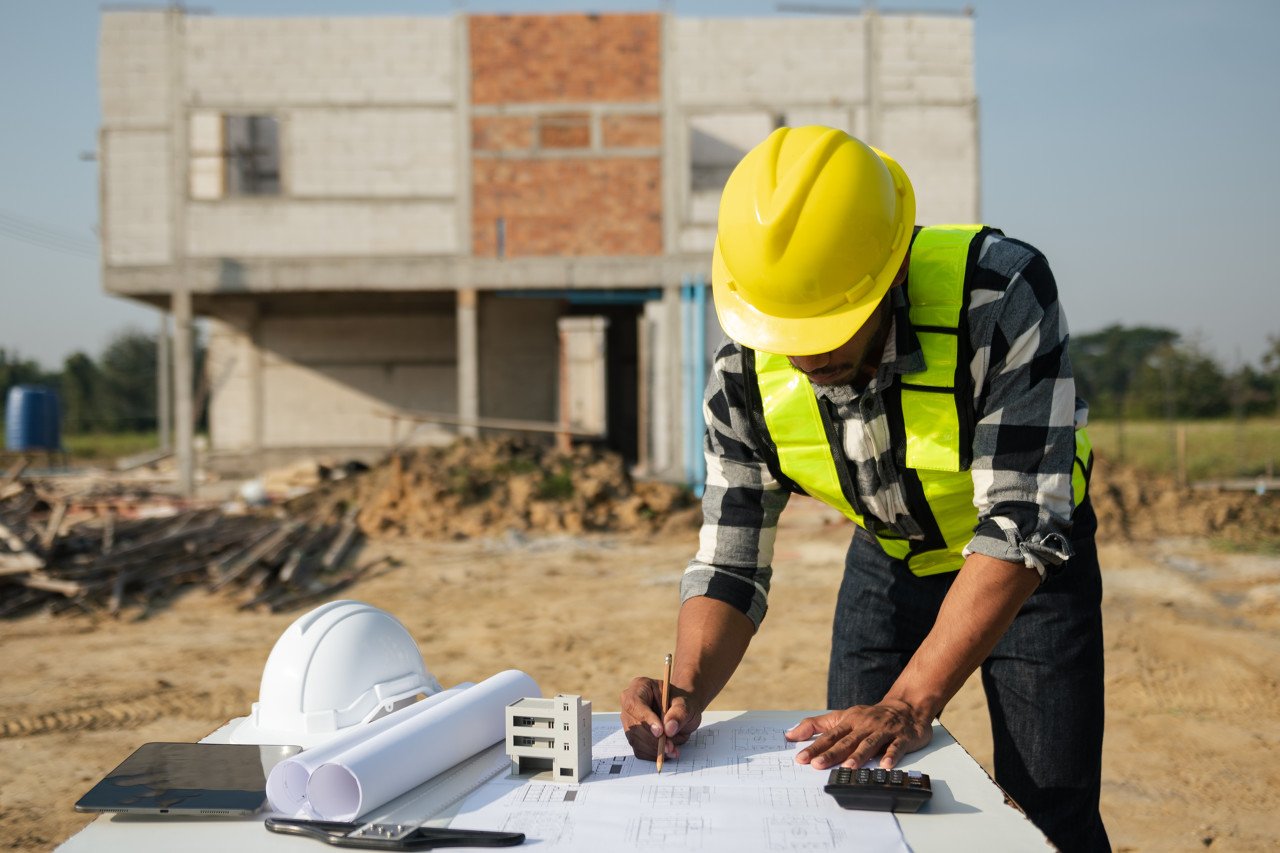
1043 680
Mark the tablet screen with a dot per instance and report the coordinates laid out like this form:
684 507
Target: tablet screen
188 778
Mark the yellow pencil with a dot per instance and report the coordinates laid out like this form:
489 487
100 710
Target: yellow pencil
666 686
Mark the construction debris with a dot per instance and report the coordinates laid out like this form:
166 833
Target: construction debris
478 488
120 546
105 553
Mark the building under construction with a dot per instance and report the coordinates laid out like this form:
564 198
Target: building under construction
403 229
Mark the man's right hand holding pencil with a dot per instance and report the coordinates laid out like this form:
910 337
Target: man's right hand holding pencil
711 638
643 722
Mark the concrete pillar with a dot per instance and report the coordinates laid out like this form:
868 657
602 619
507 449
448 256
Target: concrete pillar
183 386
468 364
257 407
164 383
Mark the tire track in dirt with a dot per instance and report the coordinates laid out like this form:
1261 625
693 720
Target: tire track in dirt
129 711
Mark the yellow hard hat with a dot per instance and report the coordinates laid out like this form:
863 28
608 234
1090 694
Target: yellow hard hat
813 228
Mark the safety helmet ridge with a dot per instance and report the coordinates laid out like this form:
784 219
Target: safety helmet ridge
813 228
342 664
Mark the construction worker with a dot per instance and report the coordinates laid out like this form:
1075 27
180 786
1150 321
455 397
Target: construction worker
917 380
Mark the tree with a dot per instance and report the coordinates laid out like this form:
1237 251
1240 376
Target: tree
127 401
81 385
1106 363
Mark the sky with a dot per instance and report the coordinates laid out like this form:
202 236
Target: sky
1133 141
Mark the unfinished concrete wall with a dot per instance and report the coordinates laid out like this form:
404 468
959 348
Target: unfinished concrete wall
929 116
565 131
901 82
231 361
327 380
266 62
136 180
520 362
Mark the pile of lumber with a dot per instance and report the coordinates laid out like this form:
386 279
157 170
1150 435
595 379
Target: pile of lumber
107 554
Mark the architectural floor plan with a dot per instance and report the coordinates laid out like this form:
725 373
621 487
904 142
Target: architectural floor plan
735 787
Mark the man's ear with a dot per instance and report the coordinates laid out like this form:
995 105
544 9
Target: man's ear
902 270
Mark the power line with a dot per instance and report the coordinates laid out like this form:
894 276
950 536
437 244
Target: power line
45 237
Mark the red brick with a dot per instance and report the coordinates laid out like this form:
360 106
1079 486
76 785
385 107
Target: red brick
564 130
631 131
502 133
588 206
565 58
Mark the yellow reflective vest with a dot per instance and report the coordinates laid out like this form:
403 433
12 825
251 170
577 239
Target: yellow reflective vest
932 411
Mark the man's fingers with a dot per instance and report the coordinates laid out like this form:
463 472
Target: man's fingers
808 727
639 714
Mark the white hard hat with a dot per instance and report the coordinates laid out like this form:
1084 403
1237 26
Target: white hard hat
343 664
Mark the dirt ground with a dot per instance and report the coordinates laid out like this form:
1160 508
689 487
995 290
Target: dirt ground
1193 656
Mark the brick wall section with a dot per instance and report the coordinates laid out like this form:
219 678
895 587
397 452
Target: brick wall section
623 131
579 206
502 133
568 195
564 130
565 58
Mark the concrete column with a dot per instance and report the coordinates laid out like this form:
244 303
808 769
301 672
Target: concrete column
257 407
468 364
874 100
183 386
164 383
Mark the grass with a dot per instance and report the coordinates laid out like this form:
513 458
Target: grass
108 446
1215 449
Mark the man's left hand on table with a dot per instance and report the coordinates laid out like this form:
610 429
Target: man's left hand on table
856 735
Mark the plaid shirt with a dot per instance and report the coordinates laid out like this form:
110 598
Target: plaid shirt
1025 409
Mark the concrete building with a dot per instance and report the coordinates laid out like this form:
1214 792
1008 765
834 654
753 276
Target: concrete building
386 220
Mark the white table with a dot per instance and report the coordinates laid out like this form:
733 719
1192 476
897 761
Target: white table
968 811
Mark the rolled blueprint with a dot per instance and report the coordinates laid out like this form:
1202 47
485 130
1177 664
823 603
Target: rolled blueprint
403 756
287 783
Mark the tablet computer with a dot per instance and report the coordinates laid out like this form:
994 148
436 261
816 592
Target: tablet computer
188 779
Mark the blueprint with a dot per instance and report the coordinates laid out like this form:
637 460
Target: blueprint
735 787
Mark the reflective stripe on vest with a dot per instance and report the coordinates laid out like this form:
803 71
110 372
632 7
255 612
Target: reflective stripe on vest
930 410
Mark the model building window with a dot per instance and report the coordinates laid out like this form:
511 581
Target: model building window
252 155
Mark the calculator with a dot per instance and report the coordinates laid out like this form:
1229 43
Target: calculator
879 790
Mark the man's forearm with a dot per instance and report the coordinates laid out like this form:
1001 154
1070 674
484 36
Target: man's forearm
978 609
711 638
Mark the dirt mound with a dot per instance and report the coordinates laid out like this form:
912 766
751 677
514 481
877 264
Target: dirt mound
476 488
1134 505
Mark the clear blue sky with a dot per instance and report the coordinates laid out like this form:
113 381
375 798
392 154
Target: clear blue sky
1134 142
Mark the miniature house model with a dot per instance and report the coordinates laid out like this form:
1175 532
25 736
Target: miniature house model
550 738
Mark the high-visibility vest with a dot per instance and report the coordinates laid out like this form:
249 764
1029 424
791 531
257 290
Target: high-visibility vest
931 410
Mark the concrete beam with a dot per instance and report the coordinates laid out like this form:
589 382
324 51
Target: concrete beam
235 277
183 387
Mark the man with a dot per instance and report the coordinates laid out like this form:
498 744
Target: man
918 381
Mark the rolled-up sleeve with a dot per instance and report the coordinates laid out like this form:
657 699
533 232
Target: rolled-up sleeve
1024 437
741 503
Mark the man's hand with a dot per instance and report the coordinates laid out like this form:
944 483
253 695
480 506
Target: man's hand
856 735
640 709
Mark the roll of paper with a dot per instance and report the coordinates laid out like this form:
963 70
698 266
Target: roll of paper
384 766
287 783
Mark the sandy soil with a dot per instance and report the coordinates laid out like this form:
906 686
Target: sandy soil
1193 645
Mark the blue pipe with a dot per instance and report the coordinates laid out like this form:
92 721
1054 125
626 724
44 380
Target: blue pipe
686 369
700 378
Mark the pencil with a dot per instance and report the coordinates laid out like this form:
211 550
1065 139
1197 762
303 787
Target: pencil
666 686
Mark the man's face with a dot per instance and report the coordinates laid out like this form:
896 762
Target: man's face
843 364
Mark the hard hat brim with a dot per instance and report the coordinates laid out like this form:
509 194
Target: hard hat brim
753 328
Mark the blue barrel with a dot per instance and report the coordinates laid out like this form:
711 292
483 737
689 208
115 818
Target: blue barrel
32 419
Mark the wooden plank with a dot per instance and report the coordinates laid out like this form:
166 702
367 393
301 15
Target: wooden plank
55 522
17 564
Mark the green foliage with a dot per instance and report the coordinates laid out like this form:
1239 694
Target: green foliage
1144 372
108 446
556 485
